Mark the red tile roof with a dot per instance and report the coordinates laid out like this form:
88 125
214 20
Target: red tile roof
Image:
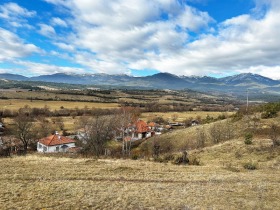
56 140
141 126
152 124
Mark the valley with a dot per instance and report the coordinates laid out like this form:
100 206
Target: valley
197 157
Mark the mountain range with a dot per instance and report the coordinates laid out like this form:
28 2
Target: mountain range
231 85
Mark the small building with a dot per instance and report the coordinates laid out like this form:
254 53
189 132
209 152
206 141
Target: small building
194 122
142 129
55 143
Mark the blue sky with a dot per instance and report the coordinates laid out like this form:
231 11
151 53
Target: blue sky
140 37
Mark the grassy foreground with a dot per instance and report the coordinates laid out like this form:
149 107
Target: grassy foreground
39 182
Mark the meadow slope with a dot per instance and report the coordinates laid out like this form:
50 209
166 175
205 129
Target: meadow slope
220 182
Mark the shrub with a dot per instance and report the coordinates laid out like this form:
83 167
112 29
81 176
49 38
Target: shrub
181 159
134 157
250 166
159 159
248 137
194 161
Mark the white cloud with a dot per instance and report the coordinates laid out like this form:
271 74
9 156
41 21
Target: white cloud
58 22
126 34
125 31
11 9
64 46
267 71
13 47
16 15
98 65
193 20
44 69
47 30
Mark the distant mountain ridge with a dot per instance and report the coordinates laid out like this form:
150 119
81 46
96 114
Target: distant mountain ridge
231 84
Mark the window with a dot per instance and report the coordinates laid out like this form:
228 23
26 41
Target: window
57 149
44 149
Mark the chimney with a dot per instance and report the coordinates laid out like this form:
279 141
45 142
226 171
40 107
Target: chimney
57 134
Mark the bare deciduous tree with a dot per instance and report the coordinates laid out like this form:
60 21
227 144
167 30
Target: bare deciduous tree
44 127
216 133
200 138
24 128
126 116
98 130
229 130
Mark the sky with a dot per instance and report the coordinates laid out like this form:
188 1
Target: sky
140 37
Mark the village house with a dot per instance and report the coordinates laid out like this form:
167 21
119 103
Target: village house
142 129
55 143
135 131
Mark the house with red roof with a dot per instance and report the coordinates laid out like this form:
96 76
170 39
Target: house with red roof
142 129
55 143
135 131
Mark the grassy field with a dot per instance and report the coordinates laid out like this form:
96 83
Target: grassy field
40 182
15 104
148 116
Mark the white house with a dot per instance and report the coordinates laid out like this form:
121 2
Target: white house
55 143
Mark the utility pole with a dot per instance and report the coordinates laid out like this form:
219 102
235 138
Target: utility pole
247 101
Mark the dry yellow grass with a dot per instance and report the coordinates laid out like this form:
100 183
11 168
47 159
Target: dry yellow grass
15 104
39 182
182 115
70 123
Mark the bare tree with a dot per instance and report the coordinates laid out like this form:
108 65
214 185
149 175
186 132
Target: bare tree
229 130
98 130
200 137
126 116
44 127
24 128
216 132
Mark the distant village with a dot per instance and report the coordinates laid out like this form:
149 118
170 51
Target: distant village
58 143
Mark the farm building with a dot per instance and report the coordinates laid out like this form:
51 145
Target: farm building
55 143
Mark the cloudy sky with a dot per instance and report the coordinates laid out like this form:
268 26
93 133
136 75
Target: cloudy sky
140 37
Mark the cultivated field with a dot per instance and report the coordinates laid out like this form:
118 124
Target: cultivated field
220 182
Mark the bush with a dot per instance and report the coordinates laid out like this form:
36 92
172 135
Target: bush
159 159
194 161
134 157
248 137
268 114
181 159
168 157
250 166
